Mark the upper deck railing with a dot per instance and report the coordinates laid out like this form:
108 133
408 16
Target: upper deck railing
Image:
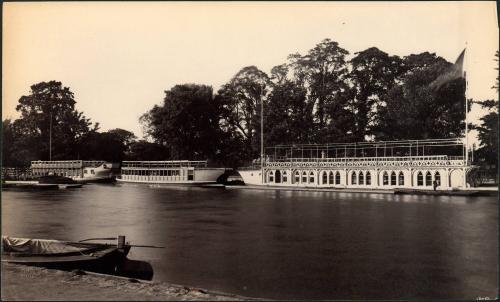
364 159
64 164
164 164
432 160
378 144
366 151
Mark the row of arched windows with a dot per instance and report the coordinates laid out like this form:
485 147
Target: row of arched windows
393 179
357 178
428 178
329 178
278 177
304 177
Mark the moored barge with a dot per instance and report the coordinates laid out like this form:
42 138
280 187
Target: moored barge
175 172
438 164
81 171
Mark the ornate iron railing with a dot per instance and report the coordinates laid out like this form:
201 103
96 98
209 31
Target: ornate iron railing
406 161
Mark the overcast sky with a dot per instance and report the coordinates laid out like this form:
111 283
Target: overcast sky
118 58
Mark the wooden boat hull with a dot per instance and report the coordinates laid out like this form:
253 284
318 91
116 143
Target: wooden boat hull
107 179
29 186
100 258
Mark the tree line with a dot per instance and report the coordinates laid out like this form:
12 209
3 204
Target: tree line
323 96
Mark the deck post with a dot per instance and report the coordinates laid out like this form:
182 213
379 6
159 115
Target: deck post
121 242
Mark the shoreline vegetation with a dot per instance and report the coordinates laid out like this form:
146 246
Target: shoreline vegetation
325 95
27 283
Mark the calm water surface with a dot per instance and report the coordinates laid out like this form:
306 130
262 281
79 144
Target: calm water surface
284 245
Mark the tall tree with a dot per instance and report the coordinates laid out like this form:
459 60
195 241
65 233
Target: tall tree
414 110
373 74
144 150
289 120
488 130
323 70
17 149
488 134
48 113
240 100
187 122
112 145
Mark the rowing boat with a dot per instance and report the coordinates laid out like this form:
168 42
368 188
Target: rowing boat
65 255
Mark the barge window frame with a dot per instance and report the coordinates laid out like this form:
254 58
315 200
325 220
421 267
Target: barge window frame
393 179
420 179
428 179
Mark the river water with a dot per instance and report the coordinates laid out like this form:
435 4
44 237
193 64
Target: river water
282 244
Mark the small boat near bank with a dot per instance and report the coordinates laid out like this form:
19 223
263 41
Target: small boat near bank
64 255
39 185
61 181
28 185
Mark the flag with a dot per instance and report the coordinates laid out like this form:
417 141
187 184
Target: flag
455 71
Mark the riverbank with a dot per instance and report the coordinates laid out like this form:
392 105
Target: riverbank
25 283
311 189
481 191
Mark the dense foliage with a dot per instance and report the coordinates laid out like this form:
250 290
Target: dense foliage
487 154
325 95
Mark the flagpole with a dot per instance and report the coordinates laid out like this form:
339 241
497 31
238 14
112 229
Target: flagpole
466 115
262 134
50 137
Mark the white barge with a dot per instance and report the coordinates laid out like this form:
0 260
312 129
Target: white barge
82 171
182 172
418 164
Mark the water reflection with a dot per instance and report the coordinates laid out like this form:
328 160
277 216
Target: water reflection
282 244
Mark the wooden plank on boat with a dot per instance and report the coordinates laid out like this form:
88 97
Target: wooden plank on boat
57 259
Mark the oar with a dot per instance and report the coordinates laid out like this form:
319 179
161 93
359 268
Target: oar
109 238
150 246
134 245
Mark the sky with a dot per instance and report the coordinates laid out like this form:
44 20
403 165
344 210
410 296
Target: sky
118 58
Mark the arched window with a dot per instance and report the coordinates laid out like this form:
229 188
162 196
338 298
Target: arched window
361 178
401 179
393 178
278 176
353 178
420 179
304 177
284 177
385 178
330 178
337 178
368 178
271 176
311 177
325 178
428 179
297 177
437 178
